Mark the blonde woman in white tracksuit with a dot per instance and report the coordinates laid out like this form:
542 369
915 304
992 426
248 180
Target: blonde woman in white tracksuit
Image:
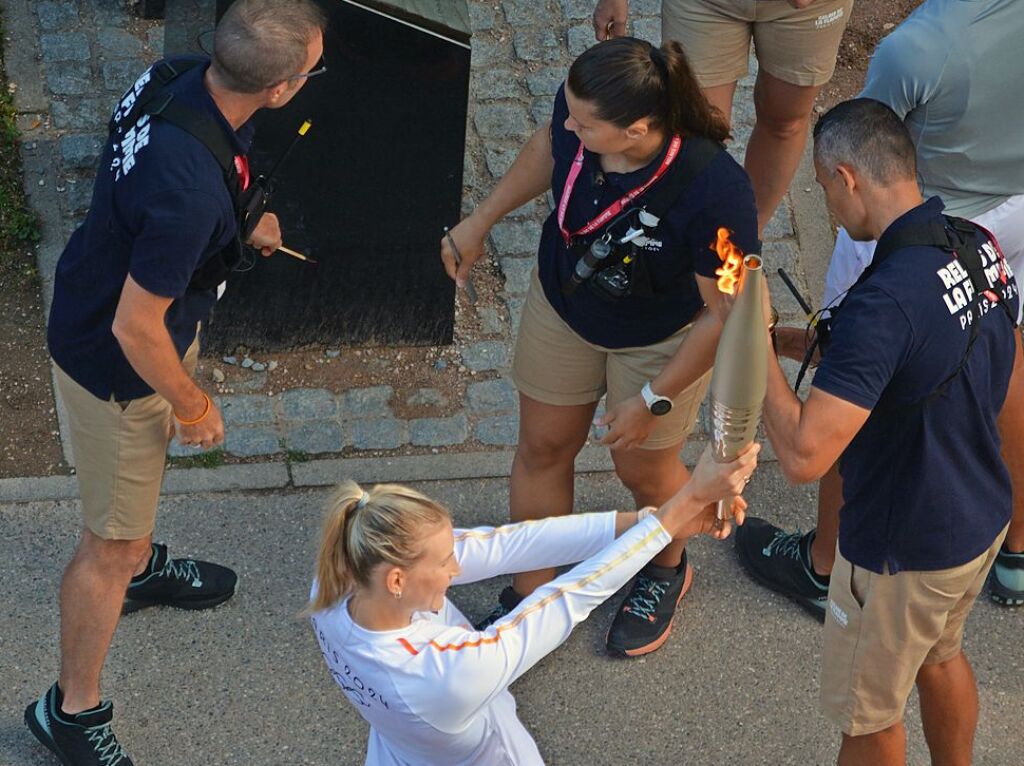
433 689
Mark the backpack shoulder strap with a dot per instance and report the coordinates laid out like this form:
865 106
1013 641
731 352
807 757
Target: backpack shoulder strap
201 126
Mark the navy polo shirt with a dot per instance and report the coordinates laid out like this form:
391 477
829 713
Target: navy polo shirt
720 195
160 208
924 487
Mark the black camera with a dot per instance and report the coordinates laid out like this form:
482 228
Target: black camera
613 283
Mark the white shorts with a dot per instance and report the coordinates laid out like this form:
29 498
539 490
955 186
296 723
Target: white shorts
850 258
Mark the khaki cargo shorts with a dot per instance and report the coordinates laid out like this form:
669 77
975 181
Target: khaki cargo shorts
120 450
554 365
880 629
798 46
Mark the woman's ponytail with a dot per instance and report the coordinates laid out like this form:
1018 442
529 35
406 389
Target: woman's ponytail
334 577
689 111
363 529
627 79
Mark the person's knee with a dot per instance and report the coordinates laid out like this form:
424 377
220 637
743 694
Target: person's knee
783 127
650 479
938 672
547 450
781 117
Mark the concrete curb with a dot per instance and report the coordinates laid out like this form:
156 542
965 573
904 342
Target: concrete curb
324 473
812 225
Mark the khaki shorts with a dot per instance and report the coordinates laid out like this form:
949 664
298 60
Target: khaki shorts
798 46
554 365
120 450
880 630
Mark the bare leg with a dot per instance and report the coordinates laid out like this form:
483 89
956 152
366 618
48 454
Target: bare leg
1011 431
949 710
653 476
720 96
883 748
91 595
780 132
830 500
550 437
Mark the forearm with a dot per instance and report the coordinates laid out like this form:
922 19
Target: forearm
529 177
792 343
782 416
694 357
151 353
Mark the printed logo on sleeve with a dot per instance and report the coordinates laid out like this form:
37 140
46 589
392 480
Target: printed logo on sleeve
137 137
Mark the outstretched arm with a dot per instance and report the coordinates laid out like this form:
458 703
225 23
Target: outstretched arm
469 668
529 177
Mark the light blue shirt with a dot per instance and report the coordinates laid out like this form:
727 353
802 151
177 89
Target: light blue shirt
954 72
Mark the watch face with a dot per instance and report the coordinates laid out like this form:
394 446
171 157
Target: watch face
661 407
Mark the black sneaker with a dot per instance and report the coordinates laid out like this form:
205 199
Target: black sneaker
182 583
508 600
85 739
644 619
781 561
1006 586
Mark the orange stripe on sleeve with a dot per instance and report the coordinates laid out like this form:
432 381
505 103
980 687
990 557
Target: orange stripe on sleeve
549 599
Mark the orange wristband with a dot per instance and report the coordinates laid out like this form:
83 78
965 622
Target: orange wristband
206 412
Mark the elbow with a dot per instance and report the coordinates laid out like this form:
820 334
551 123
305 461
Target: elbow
801 467
126 332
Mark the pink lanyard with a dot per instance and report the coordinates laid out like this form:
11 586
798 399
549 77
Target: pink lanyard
616 207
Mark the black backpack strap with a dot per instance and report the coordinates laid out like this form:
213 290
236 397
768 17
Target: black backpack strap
161 74
203 127
698 152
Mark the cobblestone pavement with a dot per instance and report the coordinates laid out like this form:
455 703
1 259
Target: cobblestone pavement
72 58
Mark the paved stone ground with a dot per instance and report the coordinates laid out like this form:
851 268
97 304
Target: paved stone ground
72 58
244 685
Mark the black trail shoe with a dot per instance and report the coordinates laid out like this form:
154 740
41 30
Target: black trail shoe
85 739
781 561
644 620
1006 583
182 583
508 600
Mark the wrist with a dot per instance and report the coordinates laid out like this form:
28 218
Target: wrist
196 410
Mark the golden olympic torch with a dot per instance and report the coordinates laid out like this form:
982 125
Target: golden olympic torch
740 375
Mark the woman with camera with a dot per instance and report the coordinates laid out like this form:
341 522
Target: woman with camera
433 689
624 299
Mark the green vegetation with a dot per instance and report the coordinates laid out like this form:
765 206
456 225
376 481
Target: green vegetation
297 456
211 459
19 227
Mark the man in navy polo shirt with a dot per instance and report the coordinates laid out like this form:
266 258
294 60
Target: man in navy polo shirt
132 287
907 396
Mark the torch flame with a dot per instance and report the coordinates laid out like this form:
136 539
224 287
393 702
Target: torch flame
730 271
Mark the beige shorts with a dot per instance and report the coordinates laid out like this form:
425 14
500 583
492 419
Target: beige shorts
554 365
880 629
120 450
798 46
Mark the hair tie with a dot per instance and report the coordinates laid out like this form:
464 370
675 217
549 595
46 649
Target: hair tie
363 500
658 58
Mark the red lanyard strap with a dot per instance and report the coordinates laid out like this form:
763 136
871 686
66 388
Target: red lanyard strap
616 207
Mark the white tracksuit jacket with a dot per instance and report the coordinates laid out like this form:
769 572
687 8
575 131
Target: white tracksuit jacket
436 692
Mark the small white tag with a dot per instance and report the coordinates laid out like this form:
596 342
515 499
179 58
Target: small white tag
220 289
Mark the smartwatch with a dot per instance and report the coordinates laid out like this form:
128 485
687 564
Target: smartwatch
658 405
